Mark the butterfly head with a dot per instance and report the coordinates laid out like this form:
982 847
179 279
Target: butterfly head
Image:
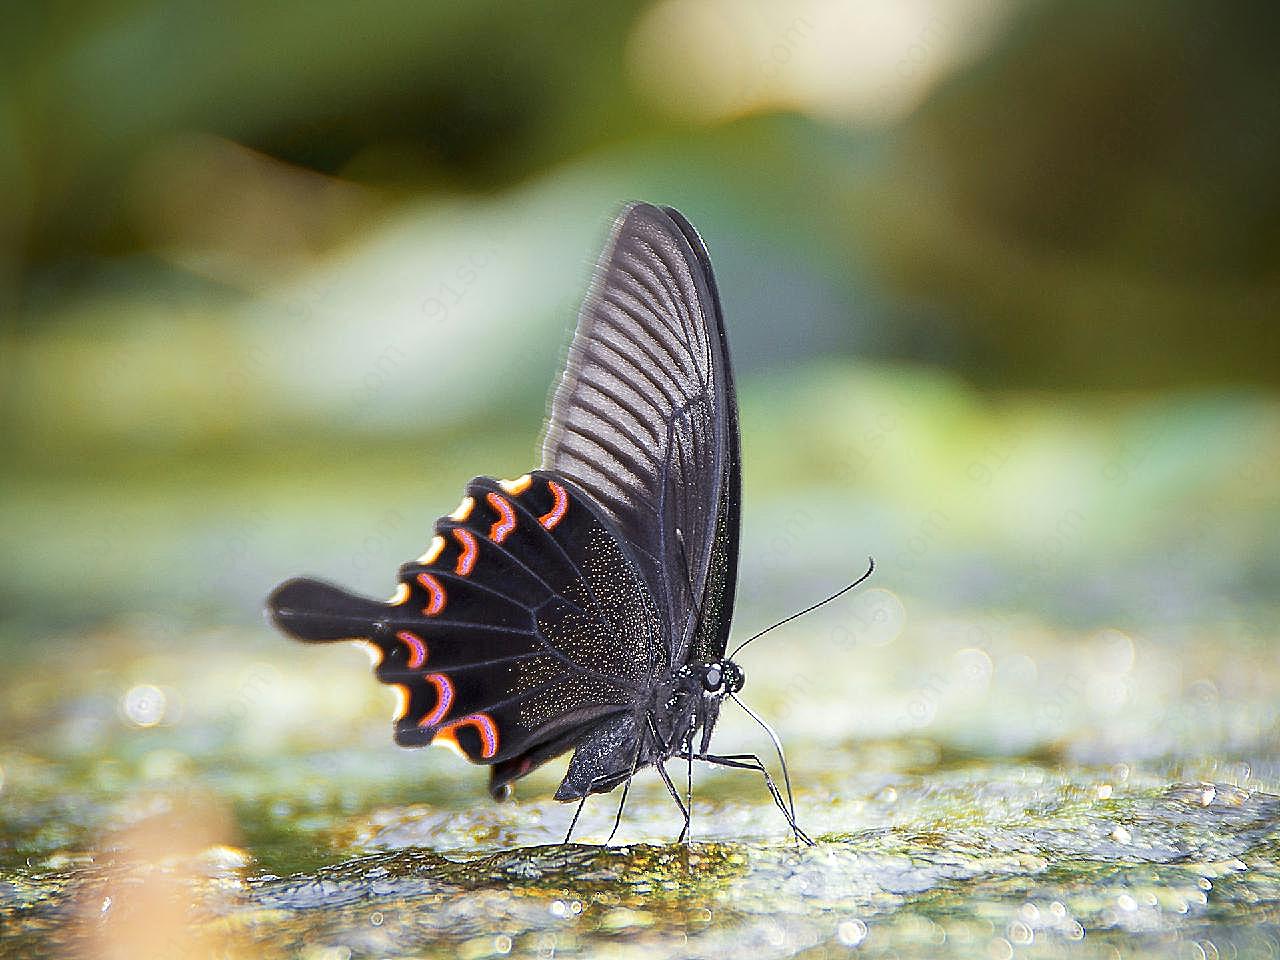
724 677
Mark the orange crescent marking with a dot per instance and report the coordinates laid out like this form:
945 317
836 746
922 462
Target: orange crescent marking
556 513
483 725
466 559
506 521
438 597
444 693
417 649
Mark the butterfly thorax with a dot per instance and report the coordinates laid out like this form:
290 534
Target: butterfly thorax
689 702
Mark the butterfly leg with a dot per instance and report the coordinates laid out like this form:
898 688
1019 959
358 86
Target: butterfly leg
626 788
617 820
688 785
749 761
675 795
659 764
576 814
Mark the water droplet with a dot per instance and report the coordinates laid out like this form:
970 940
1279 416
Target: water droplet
1020 933
851 932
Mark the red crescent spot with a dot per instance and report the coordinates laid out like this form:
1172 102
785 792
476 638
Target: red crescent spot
506 521
433 587
444 694
466 559
417 649
483 725
556 513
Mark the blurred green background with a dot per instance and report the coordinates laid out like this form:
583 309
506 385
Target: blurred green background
1002 281
277 282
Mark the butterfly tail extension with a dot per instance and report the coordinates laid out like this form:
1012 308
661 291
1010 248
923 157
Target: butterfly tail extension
317 612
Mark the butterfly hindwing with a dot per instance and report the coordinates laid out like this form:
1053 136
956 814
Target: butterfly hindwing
524 622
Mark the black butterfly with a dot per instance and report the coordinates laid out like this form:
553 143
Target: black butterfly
585 605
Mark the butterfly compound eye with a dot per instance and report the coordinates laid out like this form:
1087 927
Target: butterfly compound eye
712 678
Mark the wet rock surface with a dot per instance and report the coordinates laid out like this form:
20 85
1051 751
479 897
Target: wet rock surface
154 842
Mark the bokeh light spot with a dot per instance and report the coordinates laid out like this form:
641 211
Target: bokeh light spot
144 705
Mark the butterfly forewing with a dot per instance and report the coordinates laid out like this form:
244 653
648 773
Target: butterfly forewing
644 420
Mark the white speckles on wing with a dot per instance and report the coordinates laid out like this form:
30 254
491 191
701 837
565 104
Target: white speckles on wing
607 624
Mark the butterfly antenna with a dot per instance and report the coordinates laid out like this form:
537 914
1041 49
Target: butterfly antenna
871 566
782 759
